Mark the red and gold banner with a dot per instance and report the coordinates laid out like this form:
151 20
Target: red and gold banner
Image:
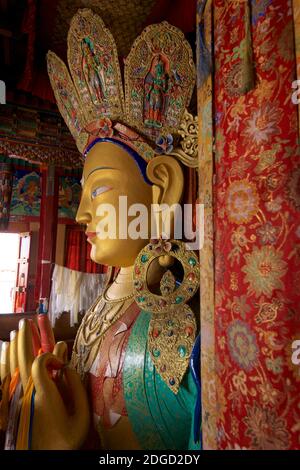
257 231
296 13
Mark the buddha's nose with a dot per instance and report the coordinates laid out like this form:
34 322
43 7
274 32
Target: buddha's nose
84 215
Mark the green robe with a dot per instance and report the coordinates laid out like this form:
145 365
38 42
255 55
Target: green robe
159 418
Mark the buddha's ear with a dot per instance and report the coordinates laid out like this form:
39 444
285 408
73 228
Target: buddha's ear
166 174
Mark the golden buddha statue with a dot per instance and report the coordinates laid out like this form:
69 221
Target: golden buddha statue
133 370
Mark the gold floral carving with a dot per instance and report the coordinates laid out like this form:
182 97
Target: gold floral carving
188 132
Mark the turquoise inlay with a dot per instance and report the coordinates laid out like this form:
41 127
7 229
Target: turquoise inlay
192 262
160 419
144 258
178 300
156 353
182 351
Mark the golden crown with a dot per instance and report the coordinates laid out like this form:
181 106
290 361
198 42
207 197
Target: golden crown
150 115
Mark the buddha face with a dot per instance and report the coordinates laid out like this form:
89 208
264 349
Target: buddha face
110 172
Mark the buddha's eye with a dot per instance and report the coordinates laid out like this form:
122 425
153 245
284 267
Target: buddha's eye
99 190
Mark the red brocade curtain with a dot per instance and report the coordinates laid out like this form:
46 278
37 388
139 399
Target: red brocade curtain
254 384
78 253
73 243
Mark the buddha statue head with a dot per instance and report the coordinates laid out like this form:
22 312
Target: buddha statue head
133 141
111 173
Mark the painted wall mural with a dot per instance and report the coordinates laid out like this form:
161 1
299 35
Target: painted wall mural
6 179
26 194
69 197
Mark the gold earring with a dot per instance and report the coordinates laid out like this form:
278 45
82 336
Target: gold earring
183 293
166 261
172 328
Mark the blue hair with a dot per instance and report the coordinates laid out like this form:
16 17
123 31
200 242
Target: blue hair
142 165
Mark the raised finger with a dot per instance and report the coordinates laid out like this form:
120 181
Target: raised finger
5 367
61 351
25 351
13 355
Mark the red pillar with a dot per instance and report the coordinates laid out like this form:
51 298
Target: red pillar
48 230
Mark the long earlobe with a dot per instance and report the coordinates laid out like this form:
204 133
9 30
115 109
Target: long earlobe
166 174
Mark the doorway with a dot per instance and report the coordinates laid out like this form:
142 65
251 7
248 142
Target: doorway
9 254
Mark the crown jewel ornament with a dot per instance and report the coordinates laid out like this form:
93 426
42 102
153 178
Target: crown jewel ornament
150 113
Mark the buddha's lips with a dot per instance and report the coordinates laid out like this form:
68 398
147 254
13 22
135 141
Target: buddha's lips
91 235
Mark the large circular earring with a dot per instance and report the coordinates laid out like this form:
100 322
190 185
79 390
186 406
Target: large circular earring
172 328
177 295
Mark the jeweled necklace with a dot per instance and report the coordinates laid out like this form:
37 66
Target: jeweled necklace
113 301
94 327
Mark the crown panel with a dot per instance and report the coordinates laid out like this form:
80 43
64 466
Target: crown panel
68 101
94 66
159 80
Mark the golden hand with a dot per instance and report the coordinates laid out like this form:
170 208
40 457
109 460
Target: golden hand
61 411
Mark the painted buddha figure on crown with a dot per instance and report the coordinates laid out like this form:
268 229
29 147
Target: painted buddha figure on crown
135 353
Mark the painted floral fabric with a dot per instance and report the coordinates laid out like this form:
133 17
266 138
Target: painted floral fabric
257 230
296 15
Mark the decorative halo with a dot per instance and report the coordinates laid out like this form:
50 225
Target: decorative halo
178 296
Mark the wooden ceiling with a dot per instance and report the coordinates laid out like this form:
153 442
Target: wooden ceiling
13 42
124 18
29 28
